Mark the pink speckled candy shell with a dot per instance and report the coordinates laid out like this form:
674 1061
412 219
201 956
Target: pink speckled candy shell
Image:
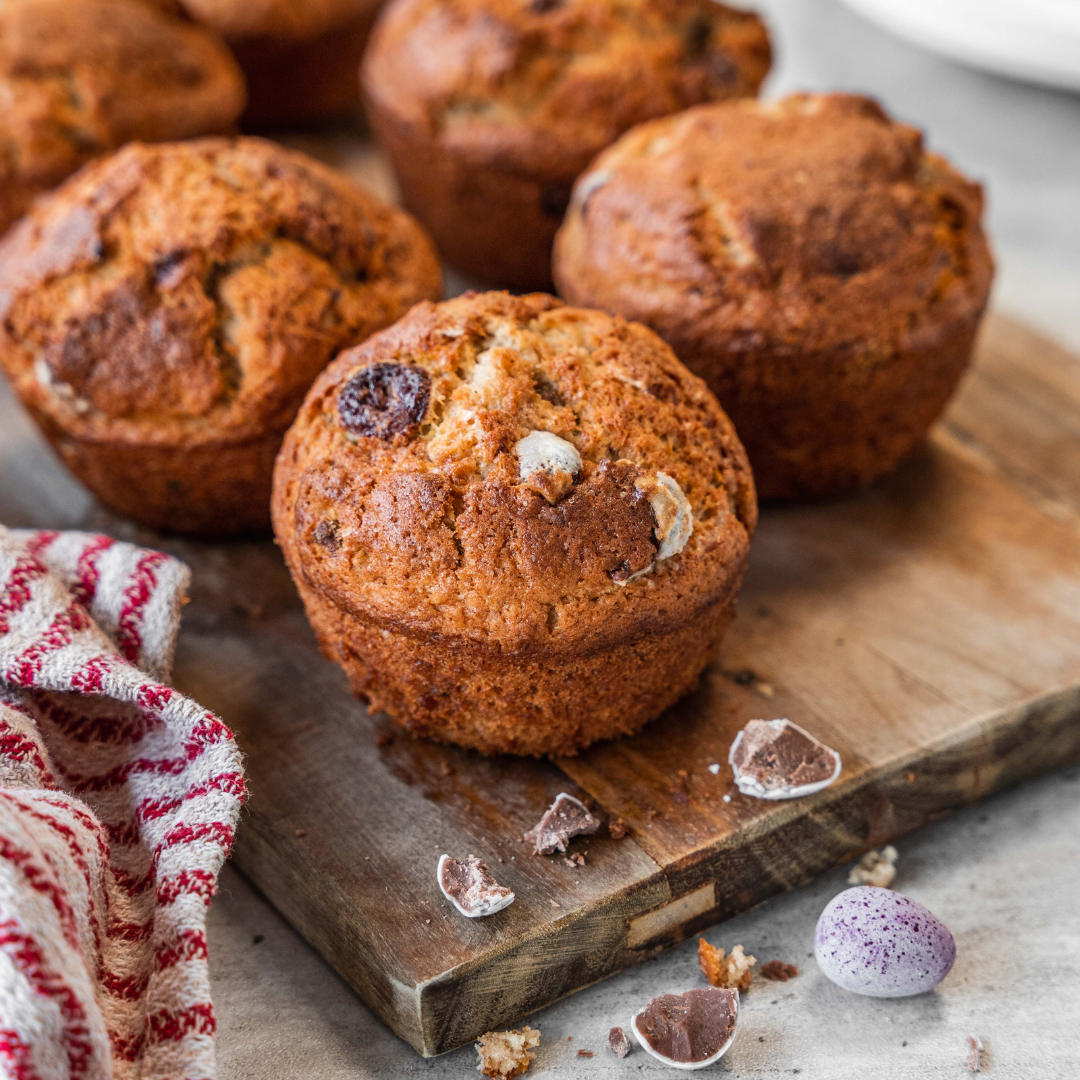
876 942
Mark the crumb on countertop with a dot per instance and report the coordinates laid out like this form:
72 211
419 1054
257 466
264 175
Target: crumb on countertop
974 1054
729 972
618 1041
875 868
778 971
504 1054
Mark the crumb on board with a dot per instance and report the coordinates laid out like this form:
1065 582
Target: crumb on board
504 1054
301 832
619 1042
778 971
974 1054
729 972
616 828
585 1053
875 868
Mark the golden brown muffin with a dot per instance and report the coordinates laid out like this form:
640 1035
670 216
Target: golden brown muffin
808 258
517 526
163 313
490 108
300 56
79 78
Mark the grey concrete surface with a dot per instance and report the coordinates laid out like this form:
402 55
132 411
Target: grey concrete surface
1004 876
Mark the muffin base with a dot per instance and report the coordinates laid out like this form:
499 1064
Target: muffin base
303 82
816 424
494 227
211 489
461 692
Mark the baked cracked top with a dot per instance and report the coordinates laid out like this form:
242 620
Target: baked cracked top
289 20
79 78
810 223
186 292
544 84
517 473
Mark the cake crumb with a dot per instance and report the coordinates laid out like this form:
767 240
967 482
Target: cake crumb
585 1053
778 971
616 828
875 868
301 832
619 1042
504 1054
974 1055
730 972
384 738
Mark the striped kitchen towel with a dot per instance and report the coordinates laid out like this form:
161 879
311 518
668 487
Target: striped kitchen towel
118 802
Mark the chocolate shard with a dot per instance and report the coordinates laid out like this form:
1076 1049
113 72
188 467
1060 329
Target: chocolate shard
776 759
618 1041
564 819
689 1030
384 400
469 886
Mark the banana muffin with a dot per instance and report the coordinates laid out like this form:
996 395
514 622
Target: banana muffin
163 313
489 109
300 56
79 78
517 526
808 258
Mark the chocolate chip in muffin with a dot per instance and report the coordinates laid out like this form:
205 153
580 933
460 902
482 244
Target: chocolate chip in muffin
385 400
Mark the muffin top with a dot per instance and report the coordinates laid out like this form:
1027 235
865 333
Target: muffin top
290 20
181 292
517 473
811 222
79 78
544 85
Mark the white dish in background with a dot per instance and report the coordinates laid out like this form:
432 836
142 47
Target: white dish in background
1036 40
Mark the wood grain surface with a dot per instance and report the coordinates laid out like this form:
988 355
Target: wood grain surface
928 628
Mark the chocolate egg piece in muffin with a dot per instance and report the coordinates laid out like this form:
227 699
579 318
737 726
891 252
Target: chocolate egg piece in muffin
300 57
821 270
163 313
489 109
517 526
79 78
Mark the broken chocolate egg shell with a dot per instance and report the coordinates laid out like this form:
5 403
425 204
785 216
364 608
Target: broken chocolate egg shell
487 904
384 400
712 1059
749 785
547 464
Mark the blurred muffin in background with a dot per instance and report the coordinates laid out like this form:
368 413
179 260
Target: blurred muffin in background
489 109
808 258
163 313
79 78
300 56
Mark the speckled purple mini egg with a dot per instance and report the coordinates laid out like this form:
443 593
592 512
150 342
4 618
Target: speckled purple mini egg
876 942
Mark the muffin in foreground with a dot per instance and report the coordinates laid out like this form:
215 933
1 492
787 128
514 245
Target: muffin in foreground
300 57
79 78
490 108
808 258
517 526
163 313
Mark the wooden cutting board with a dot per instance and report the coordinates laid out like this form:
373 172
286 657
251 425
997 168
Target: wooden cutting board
928 628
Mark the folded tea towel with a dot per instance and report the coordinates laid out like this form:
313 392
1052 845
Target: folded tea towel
118 802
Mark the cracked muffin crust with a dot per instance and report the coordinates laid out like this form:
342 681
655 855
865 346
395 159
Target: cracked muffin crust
486 592
164 312
79 78
300 57
808 258
490 108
